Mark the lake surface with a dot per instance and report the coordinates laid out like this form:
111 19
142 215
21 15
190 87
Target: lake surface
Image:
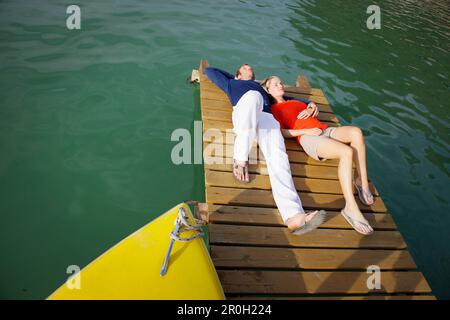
86 115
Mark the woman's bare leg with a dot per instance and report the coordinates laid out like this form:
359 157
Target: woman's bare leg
354 136
332 149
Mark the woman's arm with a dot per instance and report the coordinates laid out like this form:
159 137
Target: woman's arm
309 105
291 133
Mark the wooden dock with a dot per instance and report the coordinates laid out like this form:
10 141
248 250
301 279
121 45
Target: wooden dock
255 255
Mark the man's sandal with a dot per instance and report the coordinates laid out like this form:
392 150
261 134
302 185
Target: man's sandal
312 224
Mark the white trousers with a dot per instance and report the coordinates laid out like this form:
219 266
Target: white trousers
250 123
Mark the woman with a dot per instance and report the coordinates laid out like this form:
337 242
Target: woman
322 142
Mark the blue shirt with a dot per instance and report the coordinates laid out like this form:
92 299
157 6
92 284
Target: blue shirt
235 89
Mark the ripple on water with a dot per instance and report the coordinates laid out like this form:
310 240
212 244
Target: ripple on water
94 109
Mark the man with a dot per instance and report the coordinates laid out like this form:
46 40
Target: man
252 120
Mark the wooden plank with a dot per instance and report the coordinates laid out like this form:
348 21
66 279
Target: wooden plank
222 152
257 181
310 92
264 198
297 169
260 167
345 297
315 95
323 238
226 105
308 282
227 137
224 125
303 84
225 115
318 259
318 99
221 132
213 93
288 88
203 65
217 94
271 217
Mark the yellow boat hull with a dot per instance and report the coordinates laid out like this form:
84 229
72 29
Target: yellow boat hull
131 269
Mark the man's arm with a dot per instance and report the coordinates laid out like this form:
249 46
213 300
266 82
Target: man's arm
219 77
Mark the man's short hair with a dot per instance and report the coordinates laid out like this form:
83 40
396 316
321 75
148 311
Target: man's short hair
238 71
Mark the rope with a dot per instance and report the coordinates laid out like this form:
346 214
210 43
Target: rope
182 225
185 226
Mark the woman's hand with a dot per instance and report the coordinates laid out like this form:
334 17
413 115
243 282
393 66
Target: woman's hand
310 111
314 108
312 132
305 114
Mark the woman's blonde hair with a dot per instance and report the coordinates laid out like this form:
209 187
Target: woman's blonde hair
266 82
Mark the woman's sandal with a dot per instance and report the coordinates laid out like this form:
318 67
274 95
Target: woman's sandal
364 195
241 170
353 222
314 223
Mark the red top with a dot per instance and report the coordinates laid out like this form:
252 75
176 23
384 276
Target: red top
286 114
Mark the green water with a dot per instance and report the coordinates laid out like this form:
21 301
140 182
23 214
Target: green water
86 115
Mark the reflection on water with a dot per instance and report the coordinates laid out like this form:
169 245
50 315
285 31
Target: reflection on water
86 115
394 84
